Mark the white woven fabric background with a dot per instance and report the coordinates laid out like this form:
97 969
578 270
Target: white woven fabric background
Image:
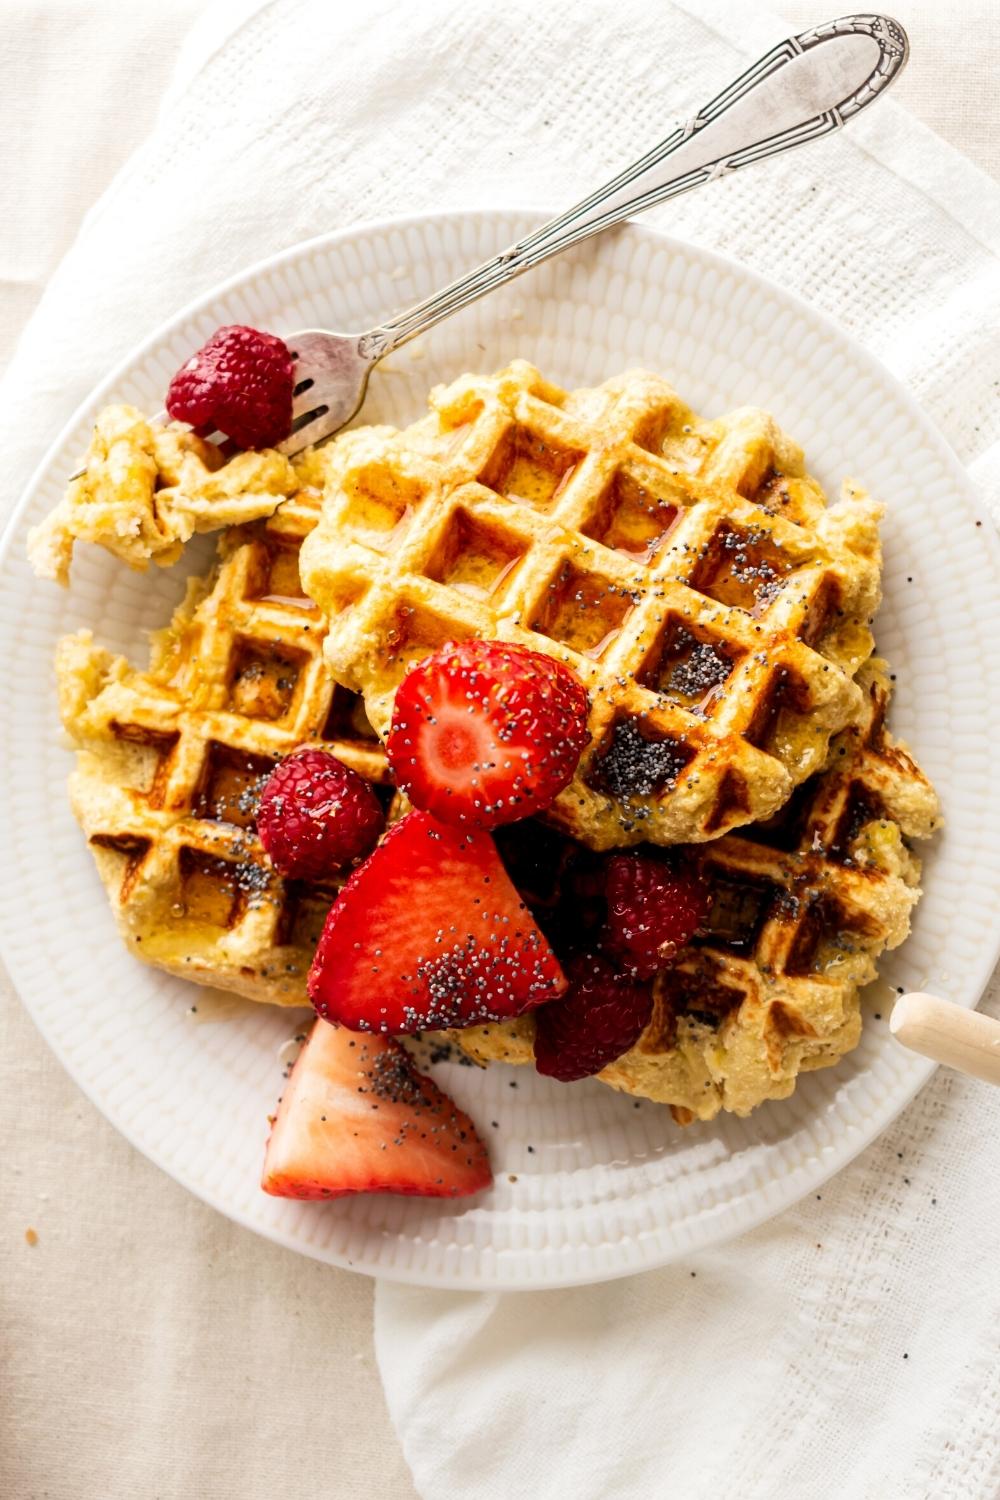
851 1347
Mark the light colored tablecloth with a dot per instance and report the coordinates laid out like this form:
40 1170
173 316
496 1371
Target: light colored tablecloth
139 1313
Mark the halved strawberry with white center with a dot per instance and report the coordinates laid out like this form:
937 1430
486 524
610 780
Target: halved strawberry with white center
430 933
356 1117
485 732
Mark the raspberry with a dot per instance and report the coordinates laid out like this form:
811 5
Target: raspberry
484 732
240 382
654 907
316 815
601 1015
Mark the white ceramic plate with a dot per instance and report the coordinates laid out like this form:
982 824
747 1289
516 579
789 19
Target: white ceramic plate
589 1184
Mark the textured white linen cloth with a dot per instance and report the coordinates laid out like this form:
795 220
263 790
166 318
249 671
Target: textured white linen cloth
850 1348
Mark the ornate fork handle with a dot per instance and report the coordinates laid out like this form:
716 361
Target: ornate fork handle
803 88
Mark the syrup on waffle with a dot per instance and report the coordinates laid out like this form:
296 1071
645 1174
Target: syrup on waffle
145 489
170 762
803 905
690 572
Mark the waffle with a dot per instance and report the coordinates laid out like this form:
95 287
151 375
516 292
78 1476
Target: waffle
170 761
803 905
145 489
690 573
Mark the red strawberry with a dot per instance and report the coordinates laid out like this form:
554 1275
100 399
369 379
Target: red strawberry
241 382
601 1015
356 1117
485 732
316 815
655 906
430 932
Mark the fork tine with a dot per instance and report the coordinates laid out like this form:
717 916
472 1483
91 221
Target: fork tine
333 377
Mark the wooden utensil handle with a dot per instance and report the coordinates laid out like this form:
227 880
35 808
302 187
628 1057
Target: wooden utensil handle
959 1038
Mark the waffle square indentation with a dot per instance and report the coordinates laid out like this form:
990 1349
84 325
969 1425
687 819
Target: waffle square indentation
783 706
703 995
150 760
474 557
582 610
413 633
273 576
381 503
209 890
669 432
231 784
742 566
529 469
134 849
638 760
740 907
632 519
788 828
346 718
687 664
263 679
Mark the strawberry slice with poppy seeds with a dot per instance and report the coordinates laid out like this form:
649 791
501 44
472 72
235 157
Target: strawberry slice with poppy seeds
357 1117
430 932
485 732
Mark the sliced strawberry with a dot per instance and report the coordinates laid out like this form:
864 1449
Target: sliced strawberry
356 1117
430 932
485 732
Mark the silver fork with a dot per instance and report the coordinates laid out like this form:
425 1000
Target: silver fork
804 88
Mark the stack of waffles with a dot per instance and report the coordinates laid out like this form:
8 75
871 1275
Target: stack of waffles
692 575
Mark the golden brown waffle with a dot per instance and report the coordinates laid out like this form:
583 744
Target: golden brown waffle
171 759
802 907
145 489
689 572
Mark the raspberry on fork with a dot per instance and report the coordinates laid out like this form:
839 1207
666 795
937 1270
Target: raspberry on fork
241 382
